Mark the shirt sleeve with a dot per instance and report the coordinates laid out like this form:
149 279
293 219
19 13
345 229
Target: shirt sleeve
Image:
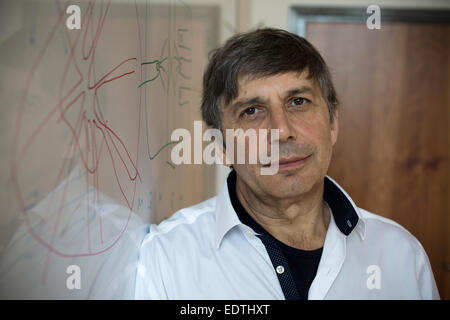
425 278
149 277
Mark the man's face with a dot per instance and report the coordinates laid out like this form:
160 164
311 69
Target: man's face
293 104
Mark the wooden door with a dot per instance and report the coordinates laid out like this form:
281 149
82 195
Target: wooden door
392 154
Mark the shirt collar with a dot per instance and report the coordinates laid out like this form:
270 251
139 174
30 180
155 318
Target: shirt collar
226 217
346 214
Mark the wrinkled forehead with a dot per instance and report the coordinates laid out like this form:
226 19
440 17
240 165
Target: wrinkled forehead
245 79
287 81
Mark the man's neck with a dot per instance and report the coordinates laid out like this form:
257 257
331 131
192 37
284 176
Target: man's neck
301 223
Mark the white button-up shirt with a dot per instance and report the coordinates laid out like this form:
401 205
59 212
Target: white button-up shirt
205 252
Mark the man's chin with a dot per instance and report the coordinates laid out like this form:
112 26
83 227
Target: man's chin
285 185
293 183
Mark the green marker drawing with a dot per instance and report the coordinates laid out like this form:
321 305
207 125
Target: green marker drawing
158 68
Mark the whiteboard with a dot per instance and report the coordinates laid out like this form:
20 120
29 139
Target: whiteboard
87 117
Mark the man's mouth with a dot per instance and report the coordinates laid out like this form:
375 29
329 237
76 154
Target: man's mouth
289 163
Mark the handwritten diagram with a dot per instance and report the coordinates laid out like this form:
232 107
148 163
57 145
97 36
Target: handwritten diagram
97 112
85 149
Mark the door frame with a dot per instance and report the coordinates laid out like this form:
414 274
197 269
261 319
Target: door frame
299 16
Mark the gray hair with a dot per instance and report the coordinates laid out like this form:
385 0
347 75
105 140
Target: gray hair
260 53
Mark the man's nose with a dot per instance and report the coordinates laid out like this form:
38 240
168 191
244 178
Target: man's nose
280 120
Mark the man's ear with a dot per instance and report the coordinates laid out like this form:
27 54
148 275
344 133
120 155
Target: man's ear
334 126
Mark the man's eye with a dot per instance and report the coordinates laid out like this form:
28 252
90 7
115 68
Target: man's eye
250 111
299 101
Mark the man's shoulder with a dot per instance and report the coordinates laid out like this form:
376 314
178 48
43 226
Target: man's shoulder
184 225
389 231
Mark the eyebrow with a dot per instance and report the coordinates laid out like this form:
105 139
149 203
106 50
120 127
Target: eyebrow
258 100
247 102
297 91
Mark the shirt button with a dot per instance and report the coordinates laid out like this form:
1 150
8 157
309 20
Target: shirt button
280 269
249 233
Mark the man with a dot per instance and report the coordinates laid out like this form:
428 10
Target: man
292 235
